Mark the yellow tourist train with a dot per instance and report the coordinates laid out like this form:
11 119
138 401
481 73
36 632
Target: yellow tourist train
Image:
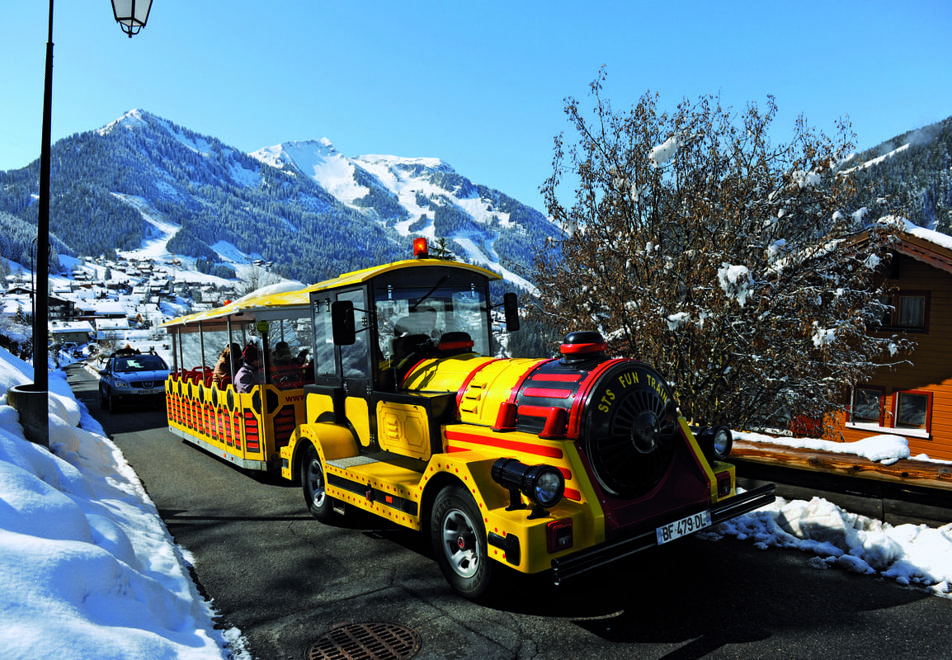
398 402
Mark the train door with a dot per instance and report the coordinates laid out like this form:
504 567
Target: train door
356 368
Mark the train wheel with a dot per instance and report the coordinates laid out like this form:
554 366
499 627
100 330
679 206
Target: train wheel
312 477
459 543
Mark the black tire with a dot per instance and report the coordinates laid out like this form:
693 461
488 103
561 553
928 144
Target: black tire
103 401
459 543
113 403
314 484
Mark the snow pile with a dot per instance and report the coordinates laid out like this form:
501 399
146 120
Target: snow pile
910 554
885 448
87 567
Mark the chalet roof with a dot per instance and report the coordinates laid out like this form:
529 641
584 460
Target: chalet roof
59 327
101 307
112 324
924 245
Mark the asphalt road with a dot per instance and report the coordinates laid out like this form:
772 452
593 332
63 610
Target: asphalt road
285 580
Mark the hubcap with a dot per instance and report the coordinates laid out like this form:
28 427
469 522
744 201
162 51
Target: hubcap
315 481
459 543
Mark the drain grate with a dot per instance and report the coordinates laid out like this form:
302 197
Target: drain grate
366 641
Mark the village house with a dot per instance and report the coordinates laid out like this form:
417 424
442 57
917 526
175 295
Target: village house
70 332
912 400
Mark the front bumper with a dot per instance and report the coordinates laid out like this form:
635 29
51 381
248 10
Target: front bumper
646 538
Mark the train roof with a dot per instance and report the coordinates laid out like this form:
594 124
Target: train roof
359 276
283 301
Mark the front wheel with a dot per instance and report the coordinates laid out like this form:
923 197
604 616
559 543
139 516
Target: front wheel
315 484
459 543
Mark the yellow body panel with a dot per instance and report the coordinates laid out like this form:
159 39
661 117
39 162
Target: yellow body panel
358 414
317 405
709 469
403 429
446 375
232 425
332 442
489 388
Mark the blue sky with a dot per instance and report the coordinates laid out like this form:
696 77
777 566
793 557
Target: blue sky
480 85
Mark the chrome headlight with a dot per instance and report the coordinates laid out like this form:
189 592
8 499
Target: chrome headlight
716 442
543 484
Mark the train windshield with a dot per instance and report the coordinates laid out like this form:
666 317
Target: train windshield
432 312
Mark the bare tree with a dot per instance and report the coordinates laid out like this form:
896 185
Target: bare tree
730 264
253 279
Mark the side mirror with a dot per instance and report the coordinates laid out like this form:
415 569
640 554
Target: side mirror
511 306
343 323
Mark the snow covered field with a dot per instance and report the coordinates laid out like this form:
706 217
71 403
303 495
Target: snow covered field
88 569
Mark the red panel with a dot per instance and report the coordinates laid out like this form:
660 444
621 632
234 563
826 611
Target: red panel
524 447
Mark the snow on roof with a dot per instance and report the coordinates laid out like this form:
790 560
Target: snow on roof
58 327
101 307
935 237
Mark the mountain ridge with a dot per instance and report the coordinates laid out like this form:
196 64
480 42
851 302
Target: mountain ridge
352 211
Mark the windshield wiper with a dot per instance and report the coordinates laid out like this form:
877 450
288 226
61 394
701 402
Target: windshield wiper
429 293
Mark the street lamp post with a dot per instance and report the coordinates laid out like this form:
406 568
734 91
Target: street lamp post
31 400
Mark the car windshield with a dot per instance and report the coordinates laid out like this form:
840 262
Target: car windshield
140 363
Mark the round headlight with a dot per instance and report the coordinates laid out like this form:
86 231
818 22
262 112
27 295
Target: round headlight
715 441
543 484
548 487
722 443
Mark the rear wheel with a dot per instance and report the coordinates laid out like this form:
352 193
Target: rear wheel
314 484
459 543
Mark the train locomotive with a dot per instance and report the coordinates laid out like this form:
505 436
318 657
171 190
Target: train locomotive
559 464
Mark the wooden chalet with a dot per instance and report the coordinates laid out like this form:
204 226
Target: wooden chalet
912 400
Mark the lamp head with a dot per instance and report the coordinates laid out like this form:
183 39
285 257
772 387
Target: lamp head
131 14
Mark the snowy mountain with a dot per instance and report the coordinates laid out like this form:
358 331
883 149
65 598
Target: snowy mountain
421 197
914 169
303 207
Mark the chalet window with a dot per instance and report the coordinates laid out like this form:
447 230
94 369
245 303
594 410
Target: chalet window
913 410
912 312
868 404
909 310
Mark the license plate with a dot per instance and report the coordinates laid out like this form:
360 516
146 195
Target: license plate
683 527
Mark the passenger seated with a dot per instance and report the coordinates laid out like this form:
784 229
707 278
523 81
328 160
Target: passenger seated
229 362
247 376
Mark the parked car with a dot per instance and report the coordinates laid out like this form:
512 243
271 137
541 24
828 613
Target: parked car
132 376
